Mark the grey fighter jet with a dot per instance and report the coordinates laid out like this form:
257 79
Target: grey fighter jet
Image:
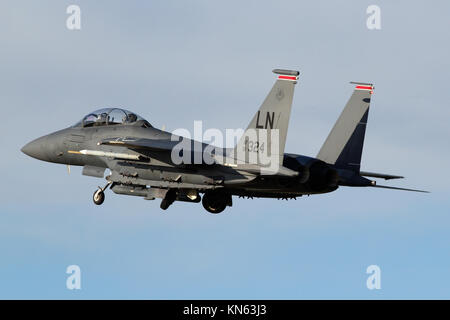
145 161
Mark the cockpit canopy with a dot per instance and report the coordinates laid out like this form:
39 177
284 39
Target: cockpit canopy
111 116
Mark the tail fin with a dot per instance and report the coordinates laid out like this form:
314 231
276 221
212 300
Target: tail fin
344 144
273 114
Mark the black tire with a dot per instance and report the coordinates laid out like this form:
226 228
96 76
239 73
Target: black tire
98 197
214 203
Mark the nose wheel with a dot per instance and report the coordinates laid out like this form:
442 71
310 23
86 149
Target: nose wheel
99 194
99 197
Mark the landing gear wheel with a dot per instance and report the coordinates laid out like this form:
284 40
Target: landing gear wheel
99 197
214 203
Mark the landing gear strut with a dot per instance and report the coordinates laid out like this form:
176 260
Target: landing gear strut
99 194
170 197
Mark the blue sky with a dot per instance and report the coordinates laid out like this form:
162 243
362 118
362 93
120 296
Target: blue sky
174 62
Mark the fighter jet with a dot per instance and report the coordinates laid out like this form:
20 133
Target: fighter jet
144 161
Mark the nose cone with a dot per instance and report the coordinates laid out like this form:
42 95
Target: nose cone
37 149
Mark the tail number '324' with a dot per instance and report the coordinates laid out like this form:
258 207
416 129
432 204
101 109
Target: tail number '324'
253 146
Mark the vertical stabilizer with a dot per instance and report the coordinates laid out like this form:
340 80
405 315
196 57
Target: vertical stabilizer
273 114
344 144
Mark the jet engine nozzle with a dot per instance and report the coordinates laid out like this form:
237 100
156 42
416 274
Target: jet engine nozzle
322 176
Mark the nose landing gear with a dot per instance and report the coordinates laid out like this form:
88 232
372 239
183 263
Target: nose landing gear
99 197
99 194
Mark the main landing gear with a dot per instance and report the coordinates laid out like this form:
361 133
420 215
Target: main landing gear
99 194
216 202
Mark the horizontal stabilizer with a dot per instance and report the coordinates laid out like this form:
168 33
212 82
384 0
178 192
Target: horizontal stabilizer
379 175
396 188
